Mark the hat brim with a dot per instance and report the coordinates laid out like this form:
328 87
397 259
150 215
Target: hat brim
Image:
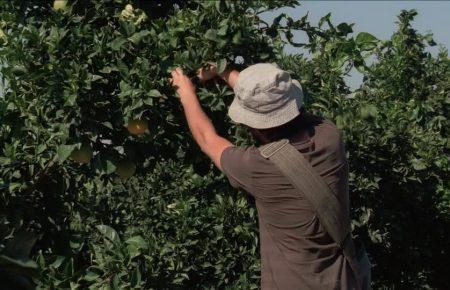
276 118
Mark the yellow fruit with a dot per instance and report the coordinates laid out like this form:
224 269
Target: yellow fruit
60 5
3 37
82 155
368 112
129 8
125 169
127 12
137 127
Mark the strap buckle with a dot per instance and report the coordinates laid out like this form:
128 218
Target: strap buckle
269 149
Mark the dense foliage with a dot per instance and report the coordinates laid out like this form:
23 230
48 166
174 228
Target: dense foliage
396 131
79 76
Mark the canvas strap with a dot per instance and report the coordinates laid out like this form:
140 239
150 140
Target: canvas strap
304 177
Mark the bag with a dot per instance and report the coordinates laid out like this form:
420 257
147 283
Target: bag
331 214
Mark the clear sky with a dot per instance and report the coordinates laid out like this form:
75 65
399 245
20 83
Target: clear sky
375 17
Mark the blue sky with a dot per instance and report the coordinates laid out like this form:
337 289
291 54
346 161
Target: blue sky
375 17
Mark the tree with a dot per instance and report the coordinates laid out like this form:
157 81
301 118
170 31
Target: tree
95 76
83 78
396 130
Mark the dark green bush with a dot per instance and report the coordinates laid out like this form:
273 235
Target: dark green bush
177 230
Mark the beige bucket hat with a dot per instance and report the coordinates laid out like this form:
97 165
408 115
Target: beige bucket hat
265 97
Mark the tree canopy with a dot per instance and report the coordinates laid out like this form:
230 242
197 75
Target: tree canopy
102 186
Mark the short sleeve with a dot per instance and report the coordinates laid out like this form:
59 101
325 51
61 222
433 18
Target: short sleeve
236 164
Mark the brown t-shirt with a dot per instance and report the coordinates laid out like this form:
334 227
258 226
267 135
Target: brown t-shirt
296 251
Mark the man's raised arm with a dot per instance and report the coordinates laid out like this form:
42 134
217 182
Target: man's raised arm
230 76
200 125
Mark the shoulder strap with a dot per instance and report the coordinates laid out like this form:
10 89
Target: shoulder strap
304 177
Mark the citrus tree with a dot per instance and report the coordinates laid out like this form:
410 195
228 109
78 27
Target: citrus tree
87 106
395 127
102 186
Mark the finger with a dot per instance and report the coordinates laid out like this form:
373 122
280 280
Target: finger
170 81
200 73
213 69
174 73
179 70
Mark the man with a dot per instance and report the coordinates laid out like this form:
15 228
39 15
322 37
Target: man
296 251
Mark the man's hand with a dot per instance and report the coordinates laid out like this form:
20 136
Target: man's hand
201 127
230 76
183 84
206 74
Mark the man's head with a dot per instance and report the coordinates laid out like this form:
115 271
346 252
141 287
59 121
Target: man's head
284 131
267 100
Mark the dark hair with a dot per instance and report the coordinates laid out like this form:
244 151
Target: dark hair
302 122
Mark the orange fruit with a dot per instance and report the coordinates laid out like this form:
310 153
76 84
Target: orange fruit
82 155
137 126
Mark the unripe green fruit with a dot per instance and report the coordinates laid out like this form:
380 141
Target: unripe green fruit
82 155
368 112
19 70
3 38
60 5
125 169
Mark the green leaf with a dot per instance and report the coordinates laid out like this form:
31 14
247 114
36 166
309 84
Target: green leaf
13 185
363 37
221 66
64 152
109 167
366 41
135 245
108 125
223 30
117 43
154 93
136 278
108 70
345 28
418 164
91 276
264 55
137 241
324 19
58 262
96 78
21 266
138 36
211 34
115 283
109 233
71 100
237 38
41 148
430 40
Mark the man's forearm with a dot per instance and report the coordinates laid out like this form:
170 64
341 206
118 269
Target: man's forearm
199 123
230 76
201 127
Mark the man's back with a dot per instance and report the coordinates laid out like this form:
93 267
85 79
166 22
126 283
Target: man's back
296 251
